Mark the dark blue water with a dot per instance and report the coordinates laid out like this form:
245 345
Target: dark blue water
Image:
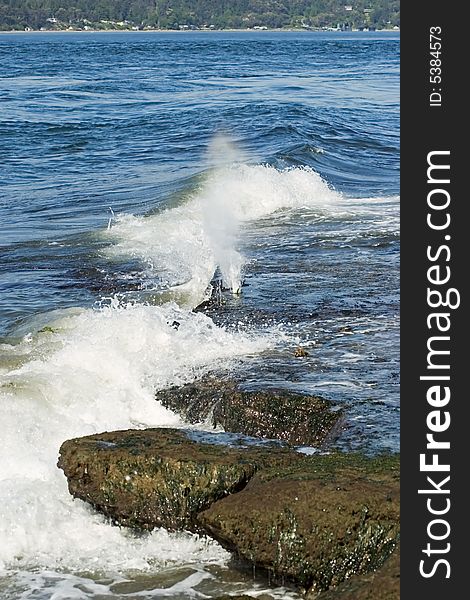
100 133
122 120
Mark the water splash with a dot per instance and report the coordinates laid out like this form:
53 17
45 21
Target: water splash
183 246
90 371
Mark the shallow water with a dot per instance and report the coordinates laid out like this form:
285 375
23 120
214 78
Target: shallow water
133 166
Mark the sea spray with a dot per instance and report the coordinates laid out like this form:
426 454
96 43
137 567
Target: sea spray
223 151
90 371
86 370
181 248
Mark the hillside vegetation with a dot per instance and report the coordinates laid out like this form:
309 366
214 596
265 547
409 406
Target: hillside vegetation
197 14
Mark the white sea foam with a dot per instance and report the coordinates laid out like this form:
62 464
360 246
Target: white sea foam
95 370
183 246
90 371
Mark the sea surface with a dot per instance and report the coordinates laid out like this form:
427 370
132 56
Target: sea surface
133 168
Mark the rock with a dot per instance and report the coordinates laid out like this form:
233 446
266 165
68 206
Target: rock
157 477
325 522
274 414
383 584
243 597
317 523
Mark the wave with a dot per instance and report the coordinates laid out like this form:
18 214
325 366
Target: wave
89 371
82 371
182 247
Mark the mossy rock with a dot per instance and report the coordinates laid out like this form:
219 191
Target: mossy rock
157 477
317 523
382 584
297 419
326 522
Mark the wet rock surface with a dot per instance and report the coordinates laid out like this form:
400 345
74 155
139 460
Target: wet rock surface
157 477
273 414
382 584
326 522
317 523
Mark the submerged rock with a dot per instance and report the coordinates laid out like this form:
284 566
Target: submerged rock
156 477
274 414
317 523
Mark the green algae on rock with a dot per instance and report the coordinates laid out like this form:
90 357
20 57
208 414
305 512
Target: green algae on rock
156 477
317 522
297 419
382 584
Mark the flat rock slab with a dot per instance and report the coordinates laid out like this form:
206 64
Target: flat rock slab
157 477
317 523
297 419
323 521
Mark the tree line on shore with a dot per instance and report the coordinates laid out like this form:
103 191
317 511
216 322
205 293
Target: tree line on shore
197 14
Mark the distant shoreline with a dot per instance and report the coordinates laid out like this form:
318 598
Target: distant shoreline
185 31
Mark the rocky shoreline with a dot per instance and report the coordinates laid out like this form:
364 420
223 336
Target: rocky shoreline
327 522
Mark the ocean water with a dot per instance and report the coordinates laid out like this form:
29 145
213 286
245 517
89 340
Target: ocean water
134 167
